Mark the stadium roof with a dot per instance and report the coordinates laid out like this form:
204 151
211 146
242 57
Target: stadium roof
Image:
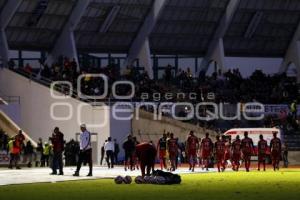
263 28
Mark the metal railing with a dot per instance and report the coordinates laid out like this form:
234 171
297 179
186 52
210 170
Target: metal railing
62 89
10 99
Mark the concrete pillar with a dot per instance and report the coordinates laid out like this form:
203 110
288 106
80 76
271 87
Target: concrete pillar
145 59
292 54
140 46
5 16
216 45
65 44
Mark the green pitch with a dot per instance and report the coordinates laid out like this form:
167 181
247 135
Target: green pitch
212 186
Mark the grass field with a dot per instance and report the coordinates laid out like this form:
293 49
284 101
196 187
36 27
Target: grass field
213 186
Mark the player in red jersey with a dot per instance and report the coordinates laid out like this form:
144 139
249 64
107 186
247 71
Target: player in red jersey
262 152
206 149
227 154
275 147
219 152
192 146
162 151
172 146
247 149
146 153
236 153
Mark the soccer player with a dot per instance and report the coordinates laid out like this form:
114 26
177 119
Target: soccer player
192 146
247 149
262 152
275 147
146 154
236 153
162 151
219 152
172 147
227 154
206 149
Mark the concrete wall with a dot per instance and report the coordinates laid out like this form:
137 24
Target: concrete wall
119 129
13 110
294 157
11 128
145 128
35 109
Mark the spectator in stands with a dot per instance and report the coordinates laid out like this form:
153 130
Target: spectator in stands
109 148
293 109
28 68
168 73
46 72
57 140
11 64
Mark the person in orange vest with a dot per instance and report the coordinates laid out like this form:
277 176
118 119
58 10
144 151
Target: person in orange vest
16 150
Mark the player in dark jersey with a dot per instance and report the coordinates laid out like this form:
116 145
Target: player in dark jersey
219 153
162 151
172 147
262 147
129 148
192 145
275 147
135 159
247 149
206 149
236 153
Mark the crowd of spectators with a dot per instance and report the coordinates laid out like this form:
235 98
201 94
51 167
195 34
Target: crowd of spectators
229 86
220 87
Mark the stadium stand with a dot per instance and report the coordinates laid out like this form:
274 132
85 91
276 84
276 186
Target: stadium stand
195 28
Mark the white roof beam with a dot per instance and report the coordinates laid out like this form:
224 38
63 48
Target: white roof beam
216 44
109 19
141 40
292 54
6 15
65 44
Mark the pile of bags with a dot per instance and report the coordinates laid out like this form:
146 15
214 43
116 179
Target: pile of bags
160 178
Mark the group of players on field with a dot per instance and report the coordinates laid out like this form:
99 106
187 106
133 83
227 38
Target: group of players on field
222 150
